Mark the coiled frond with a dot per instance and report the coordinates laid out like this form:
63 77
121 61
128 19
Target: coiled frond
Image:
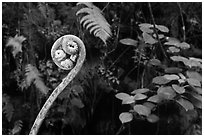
94 21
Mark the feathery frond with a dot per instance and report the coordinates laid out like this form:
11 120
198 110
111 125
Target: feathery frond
16 44
7 107
33 76
94 21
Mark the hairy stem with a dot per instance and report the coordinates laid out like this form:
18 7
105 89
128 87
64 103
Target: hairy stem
58 90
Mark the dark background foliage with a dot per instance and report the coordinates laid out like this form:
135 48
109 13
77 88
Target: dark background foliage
88 105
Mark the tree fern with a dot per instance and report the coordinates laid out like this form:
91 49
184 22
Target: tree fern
7 107
33 76
94 21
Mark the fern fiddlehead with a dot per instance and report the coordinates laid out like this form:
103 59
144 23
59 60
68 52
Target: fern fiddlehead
68 53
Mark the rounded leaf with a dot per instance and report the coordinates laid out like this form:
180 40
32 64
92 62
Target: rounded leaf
149 105
142 110
129 41
148 38
140 96
146 30
152 118
166 92
187 105
125 117
154 99
179 58
122 96
183 45
194 82
141 90
173 50
160 80
128 100
194 75
171 41
171 77
178 89
155 62
146 25
172 70
162 28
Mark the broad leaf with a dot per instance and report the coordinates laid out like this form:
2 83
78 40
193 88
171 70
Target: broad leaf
149 105
194 75
155 62
196 100
146 30
129 41
192 63
172 41
173 50
141 90
125 117
194 82
122 96
140 96
183 45
148 38
146 25
196 59
160 80
166 92
128 100
185 104
171 77
173 70
178 89
152 118
197 89
142 110
159 35
196 96
179 58
155 99
162 28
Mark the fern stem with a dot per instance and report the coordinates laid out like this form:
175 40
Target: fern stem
60 87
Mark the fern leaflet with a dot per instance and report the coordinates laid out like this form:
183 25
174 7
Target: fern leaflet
94 21
17 127
33 76
7 108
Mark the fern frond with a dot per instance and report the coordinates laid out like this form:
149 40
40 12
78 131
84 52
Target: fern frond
94 21
42 8
16 44
33 76
17 127
7 108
